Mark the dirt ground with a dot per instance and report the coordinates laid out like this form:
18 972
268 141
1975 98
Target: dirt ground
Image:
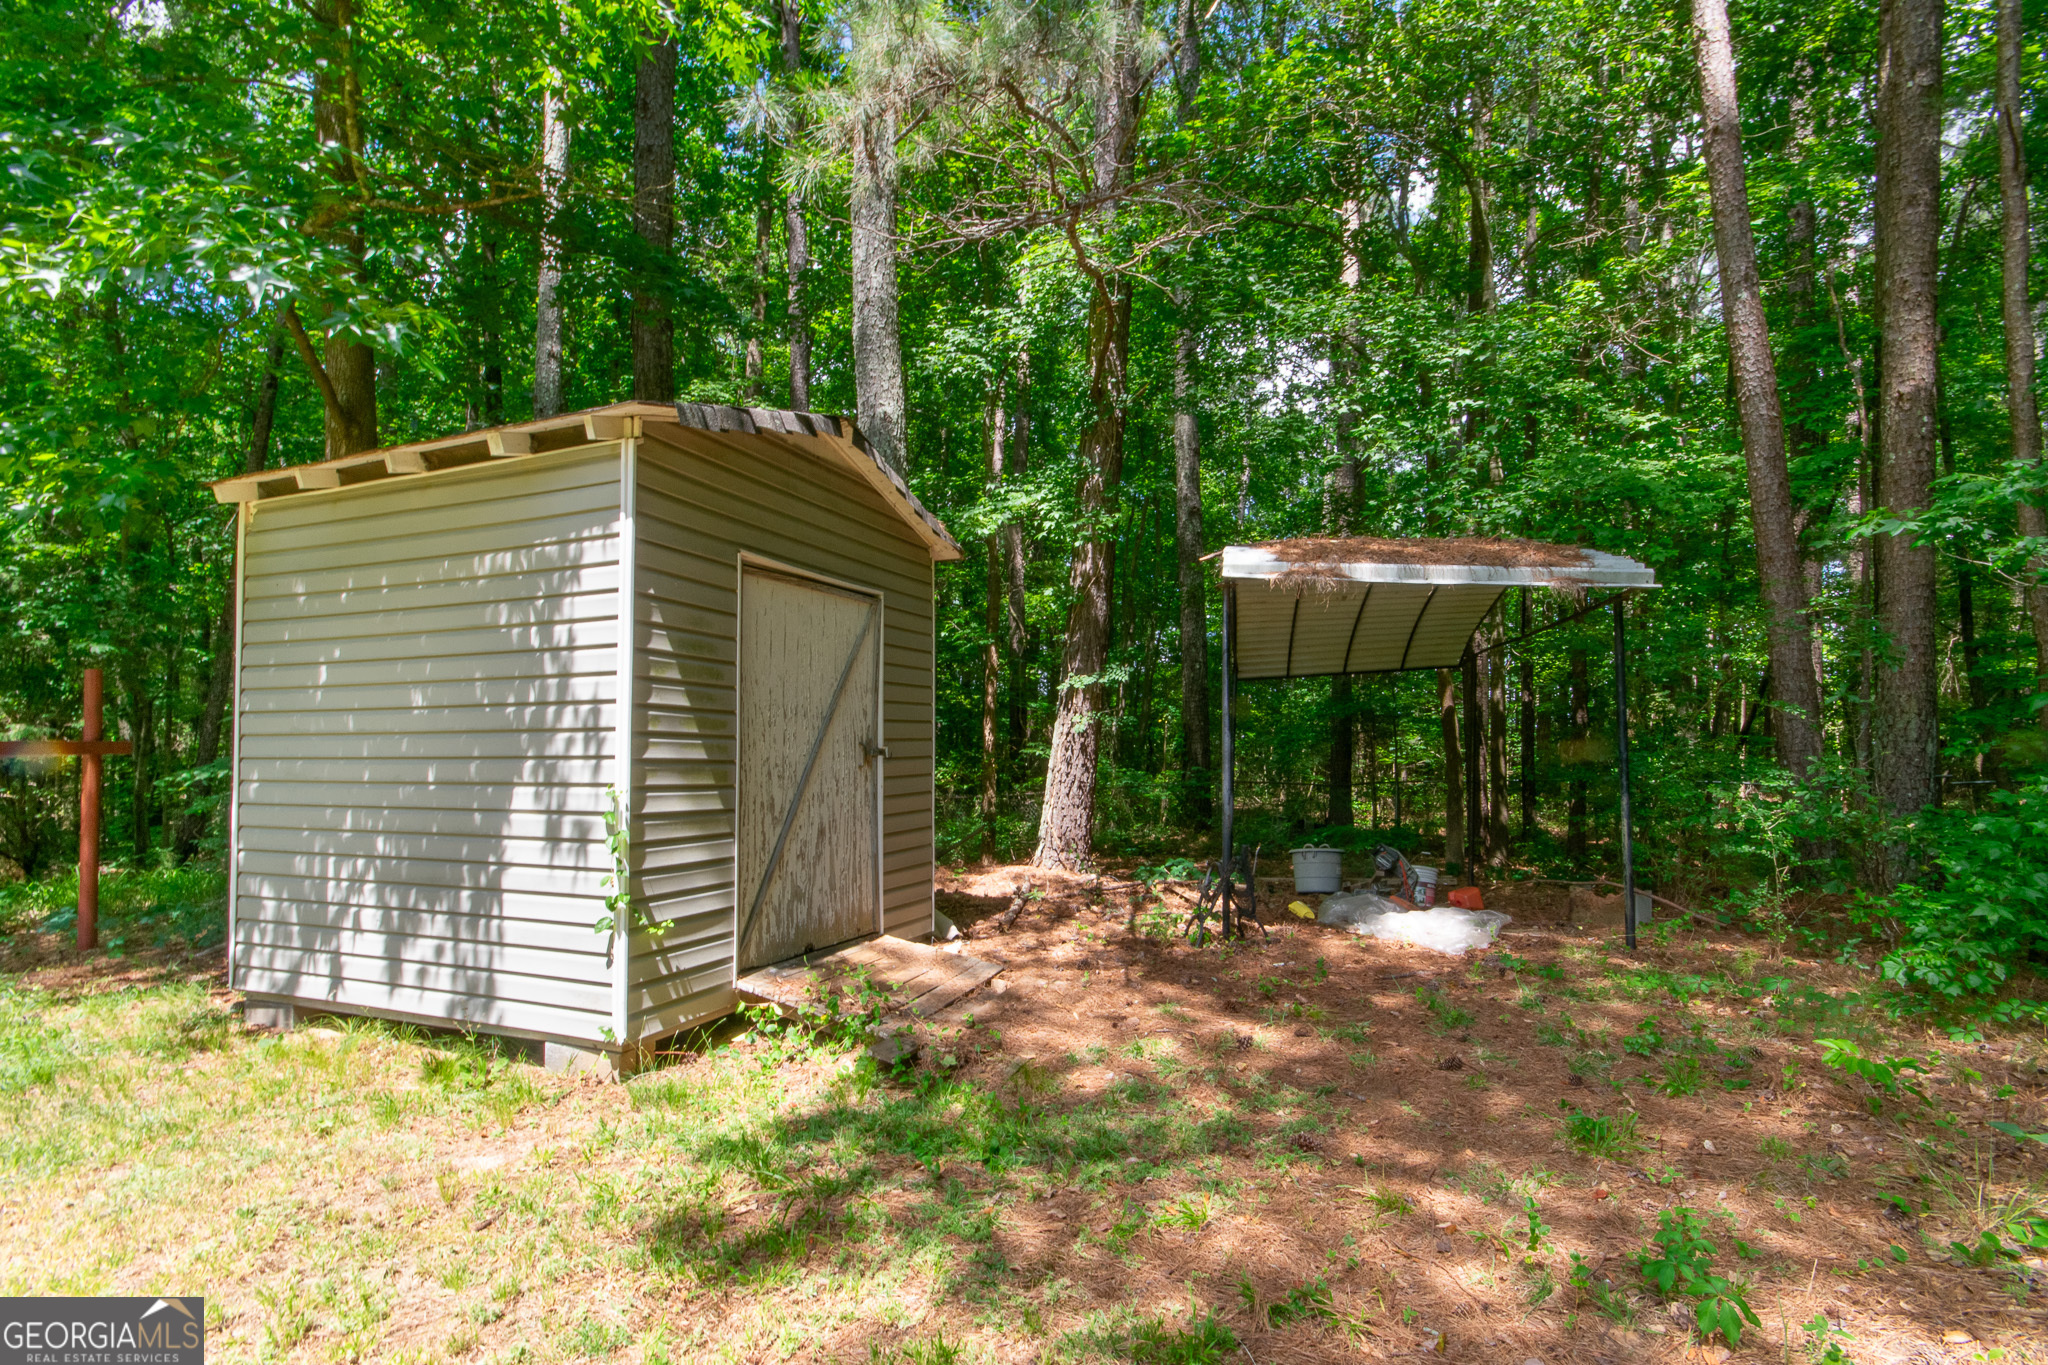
1459 1121
1338 1148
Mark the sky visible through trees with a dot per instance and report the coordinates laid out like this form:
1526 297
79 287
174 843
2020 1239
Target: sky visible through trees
1749 292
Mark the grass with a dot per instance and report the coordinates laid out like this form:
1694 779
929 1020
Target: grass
1603 1135
367 1192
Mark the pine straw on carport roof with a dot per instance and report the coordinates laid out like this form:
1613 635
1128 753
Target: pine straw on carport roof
1484 551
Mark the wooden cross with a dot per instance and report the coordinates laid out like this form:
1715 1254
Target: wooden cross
91 749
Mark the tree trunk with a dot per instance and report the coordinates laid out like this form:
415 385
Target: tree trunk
764 218
1908 218
877 350
1013 557
1582 723
2021 402
220 673
547 313
1340 514
1065 828
1472 780
1527 770
796 239
1340 502
1454 767
1754 377
1194 599
654 221
347 366
1496 702
492 346
1343 752
991 659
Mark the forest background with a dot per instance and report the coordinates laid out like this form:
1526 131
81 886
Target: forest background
1114 284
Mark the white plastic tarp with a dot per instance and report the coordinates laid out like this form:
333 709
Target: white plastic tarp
1446 928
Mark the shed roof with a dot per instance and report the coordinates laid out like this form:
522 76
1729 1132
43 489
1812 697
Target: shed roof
806 433
1317 606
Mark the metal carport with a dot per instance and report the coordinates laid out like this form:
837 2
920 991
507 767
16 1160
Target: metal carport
1322 607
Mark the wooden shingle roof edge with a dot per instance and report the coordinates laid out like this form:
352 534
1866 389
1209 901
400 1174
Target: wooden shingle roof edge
615 421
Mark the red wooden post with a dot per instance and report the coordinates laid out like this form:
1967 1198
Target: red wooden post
89 821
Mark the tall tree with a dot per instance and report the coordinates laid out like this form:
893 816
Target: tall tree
1907 229
795 232
547 311
995 430
877 346
346 368
1189 543
654 218
2022 406
1754 377
1066 819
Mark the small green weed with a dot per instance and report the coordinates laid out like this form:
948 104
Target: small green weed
1309 1302
1608 1135
1538 1229
1386 1201
1190 1211
1679 1264
1681 1077
1823 1345
1447 1015
594 1337
1203 1341
1603 1294
1889 1075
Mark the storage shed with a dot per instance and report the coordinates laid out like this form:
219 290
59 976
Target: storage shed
487 686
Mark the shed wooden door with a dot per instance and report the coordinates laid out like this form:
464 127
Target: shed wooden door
809 789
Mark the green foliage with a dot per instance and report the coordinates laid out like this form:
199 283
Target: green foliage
1891 1075
1608 1135
1823 1344
1204 1341
1981 908
1603 1294
1538 1230
1679 1265
147 907
1448 1016
1681 1077
1309 1302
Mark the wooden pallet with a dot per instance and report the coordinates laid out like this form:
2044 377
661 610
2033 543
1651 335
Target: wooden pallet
918 977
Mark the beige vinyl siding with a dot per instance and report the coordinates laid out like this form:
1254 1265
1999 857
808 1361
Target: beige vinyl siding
426 724
703 500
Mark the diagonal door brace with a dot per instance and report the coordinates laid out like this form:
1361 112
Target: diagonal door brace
796 798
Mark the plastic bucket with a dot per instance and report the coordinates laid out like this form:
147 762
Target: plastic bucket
1425 886
1318 871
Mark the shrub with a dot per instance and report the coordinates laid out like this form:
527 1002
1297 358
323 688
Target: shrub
1982 908
1679 1264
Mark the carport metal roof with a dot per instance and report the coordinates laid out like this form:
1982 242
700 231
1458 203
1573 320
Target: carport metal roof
1323 607
1310 608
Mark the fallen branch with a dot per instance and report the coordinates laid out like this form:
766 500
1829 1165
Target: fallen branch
1660 900
1609 881
1016 907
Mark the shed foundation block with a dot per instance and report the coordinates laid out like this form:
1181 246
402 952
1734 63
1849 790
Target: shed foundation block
281 1015
567 1059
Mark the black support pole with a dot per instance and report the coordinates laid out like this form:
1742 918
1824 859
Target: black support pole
1475 728
1628 842
1229 793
